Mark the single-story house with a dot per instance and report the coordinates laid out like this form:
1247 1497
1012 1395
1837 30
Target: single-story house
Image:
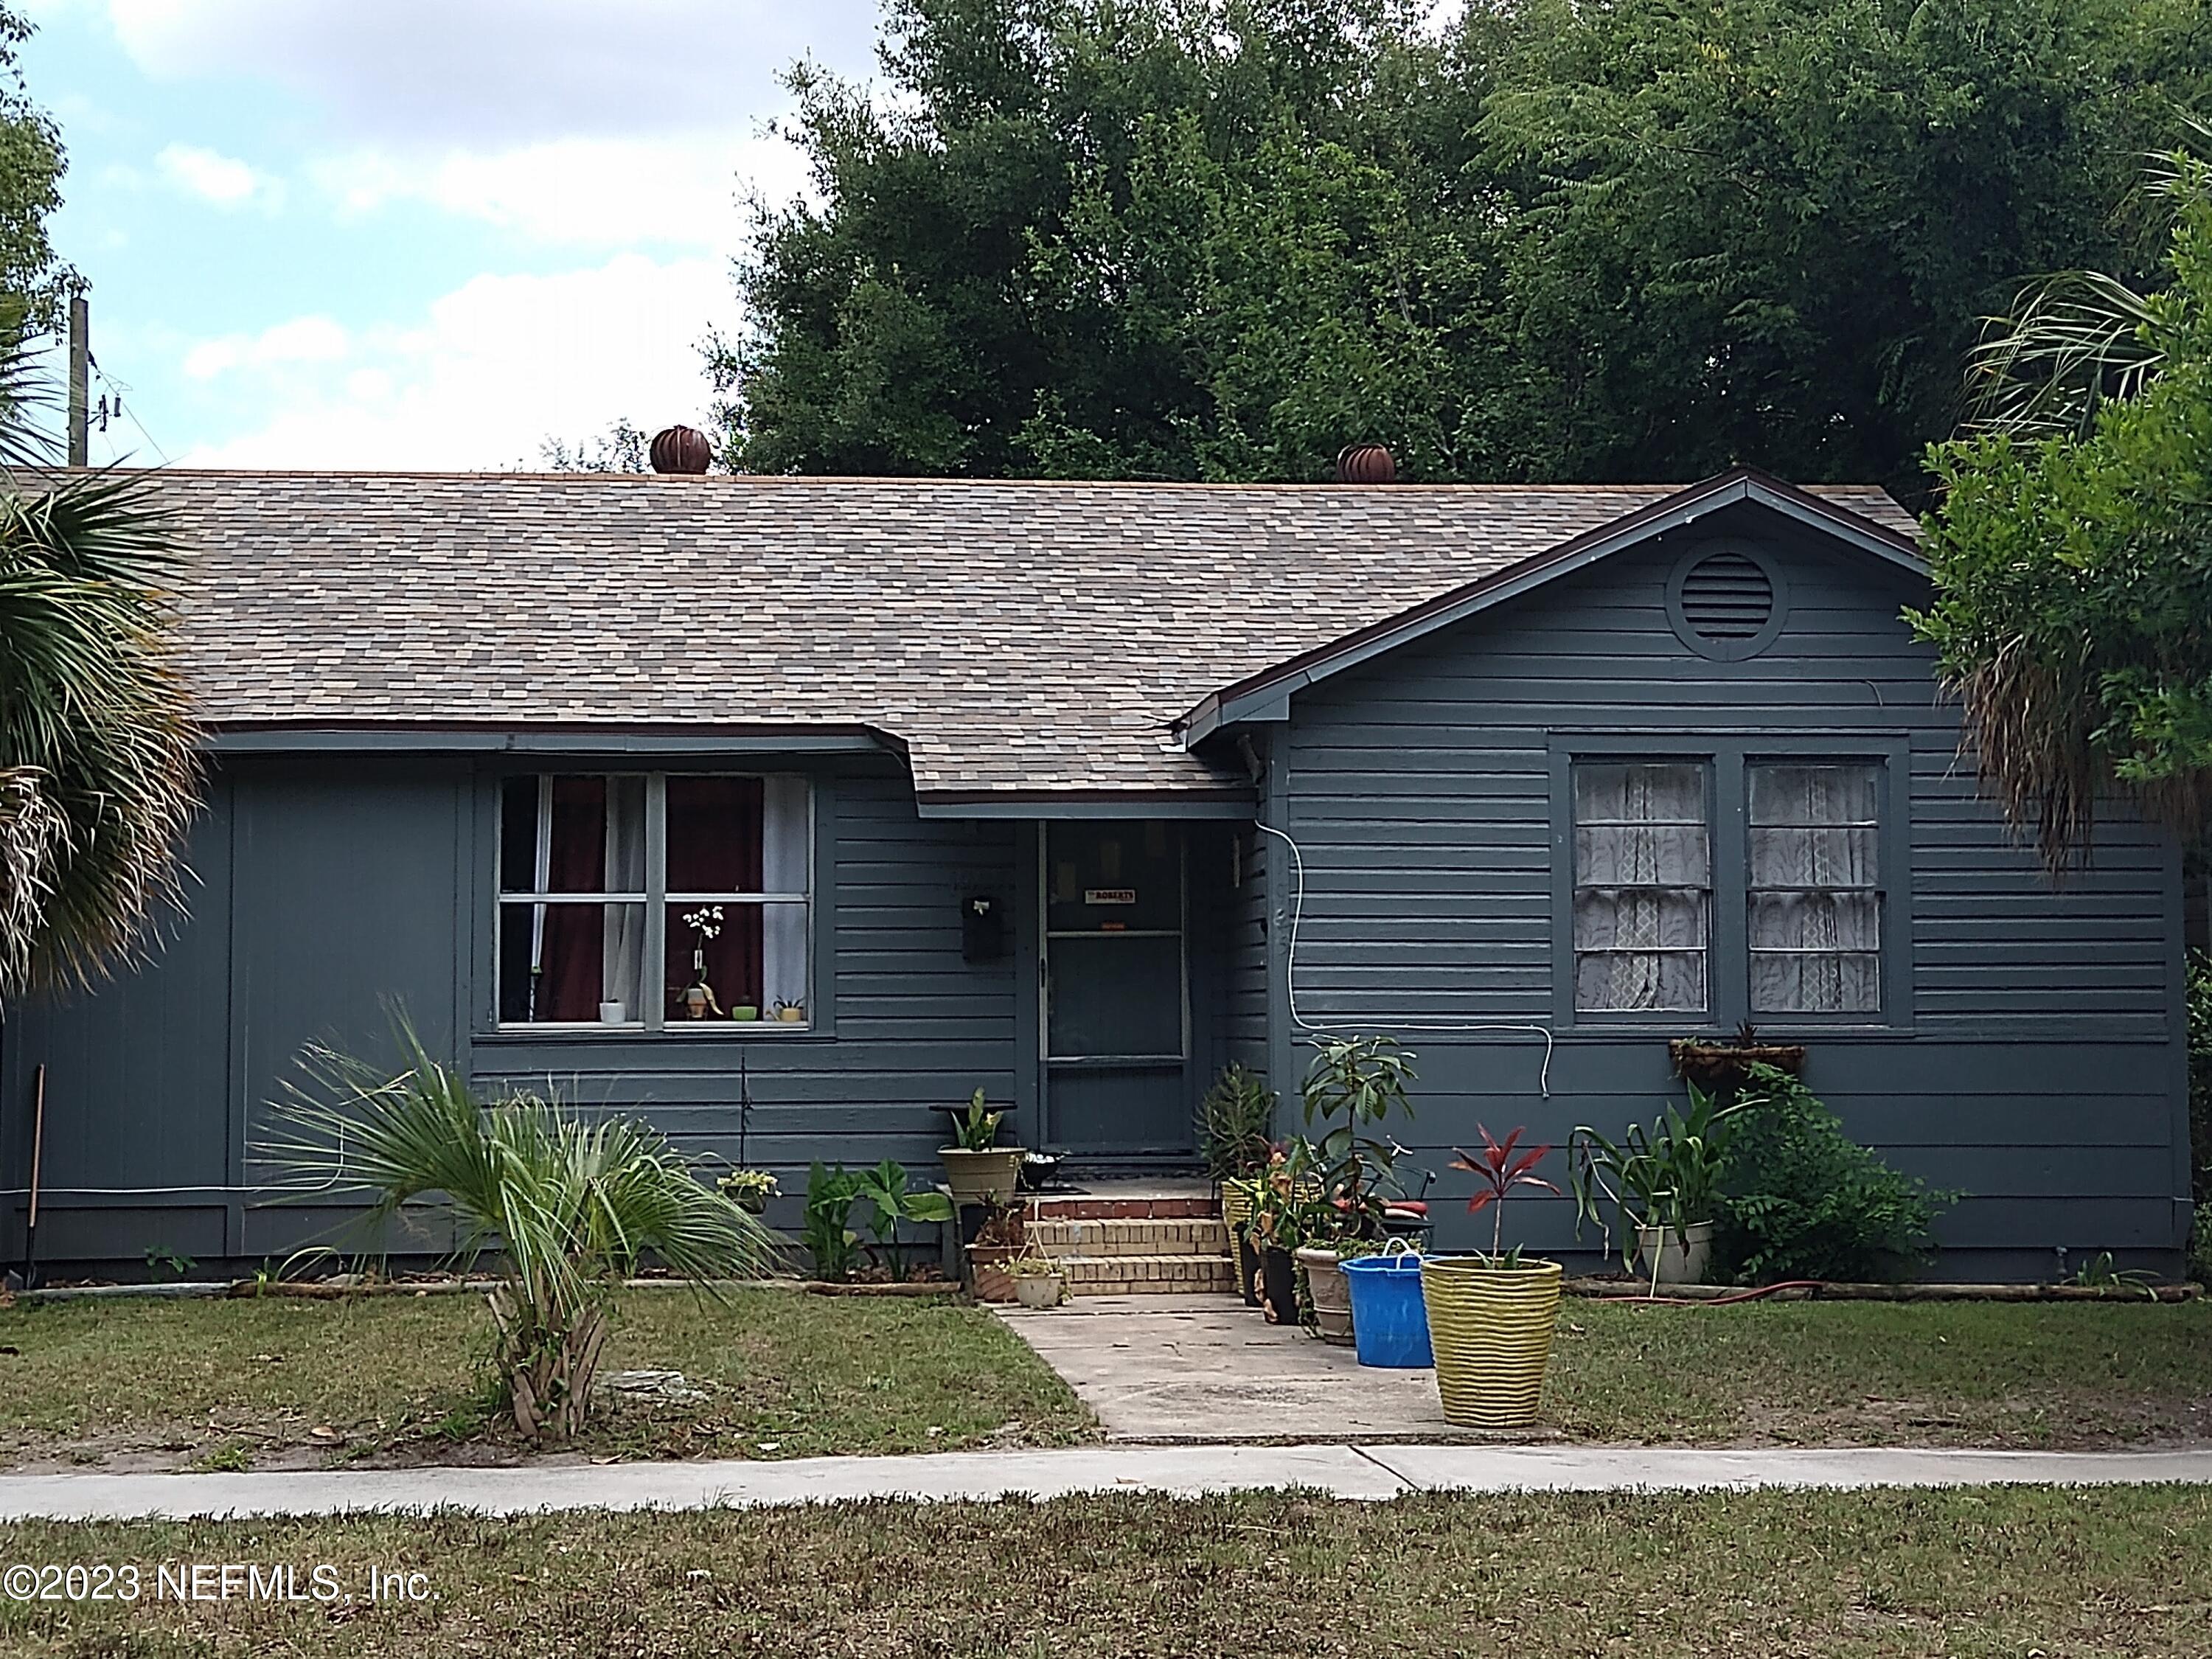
787 811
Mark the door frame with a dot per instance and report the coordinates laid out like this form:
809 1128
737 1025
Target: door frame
1039 893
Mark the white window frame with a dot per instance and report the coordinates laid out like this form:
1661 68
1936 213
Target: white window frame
657 899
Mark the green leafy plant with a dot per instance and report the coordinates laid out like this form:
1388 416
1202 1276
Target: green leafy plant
162 1259
1235 1118
1289 1208
1354 1086
571 1205
825 1226
2099 1272
749 1190
1806 1201
891 1200
976 1130
1501 1169
1668 1176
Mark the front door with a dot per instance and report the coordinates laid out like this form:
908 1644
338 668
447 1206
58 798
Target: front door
1116 1010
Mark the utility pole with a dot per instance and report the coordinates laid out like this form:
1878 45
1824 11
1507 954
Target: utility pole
80 384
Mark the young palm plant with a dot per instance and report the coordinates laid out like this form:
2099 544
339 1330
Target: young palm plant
571 1207
99 769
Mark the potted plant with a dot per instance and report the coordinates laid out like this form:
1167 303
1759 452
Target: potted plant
1038 1280
1716 1067
1235 1121
1288 1210
1352 1087
999 1241
1661 1184
749 1189
1491 1317
1242 1195
976 1168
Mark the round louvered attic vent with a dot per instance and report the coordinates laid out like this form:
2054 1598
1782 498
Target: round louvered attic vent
1724 603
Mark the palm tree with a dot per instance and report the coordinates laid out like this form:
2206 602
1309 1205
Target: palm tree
2076 340
99 766
572 1206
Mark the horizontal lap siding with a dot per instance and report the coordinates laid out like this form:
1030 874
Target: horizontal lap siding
2040 1072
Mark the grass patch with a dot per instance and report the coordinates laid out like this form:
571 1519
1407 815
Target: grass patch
1844 1576
399 1378
2054 1374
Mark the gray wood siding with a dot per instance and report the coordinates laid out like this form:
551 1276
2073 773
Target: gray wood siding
326 892
2037 1062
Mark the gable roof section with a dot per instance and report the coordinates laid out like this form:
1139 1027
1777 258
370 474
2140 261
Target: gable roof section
1018 640
1262 695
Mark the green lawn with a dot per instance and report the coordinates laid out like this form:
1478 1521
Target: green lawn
229 1383
2014 1572
2049 1374
233 1384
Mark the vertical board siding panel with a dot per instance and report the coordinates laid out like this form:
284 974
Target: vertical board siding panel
1420 795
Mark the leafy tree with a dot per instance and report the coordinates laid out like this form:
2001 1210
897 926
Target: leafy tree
622 448
1606 238
33 281
2074 614
99 770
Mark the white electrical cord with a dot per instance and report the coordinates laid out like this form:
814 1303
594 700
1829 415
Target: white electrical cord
1434 1028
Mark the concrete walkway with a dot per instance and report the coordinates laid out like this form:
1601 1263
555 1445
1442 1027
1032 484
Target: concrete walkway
1342 1471
1177 1370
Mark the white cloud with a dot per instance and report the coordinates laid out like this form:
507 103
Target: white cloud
489 75
222 179
580 191
492 369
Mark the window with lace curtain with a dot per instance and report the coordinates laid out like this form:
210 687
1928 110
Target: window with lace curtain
1643 887
1815 892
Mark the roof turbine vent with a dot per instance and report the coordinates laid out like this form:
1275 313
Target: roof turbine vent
1365 464
681 449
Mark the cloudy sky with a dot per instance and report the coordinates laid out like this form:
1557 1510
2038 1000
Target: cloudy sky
413 232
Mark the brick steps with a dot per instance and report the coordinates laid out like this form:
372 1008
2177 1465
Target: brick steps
1133 1247
1141 1275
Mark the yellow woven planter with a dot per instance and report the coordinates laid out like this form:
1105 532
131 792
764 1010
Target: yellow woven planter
1236 1207
1491 1328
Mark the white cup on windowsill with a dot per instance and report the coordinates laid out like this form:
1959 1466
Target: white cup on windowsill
614 1013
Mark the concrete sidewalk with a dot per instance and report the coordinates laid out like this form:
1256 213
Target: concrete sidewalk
1368 1472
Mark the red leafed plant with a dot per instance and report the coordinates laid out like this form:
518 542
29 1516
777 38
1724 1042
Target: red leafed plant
1501 1169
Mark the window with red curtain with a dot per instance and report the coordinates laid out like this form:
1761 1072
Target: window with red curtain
576 887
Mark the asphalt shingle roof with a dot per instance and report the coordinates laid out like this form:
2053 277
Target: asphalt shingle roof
1015 635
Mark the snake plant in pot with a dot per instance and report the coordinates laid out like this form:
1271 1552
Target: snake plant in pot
1491 1316
1661 1184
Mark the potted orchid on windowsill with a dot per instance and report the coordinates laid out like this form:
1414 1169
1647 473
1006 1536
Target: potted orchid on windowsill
1491 1316
696 999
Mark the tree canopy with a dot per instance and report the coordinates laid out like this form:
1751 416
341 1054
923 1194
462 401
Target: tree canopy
2073 571
32 276
1557 238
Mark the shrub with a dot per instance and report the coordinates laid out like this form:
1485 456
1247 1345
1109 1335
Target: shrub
1806 1201
1236 1122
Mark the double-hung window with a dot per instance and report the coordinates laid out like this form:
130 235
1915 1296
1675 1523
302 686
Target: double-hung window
1643 893
654 901
1815 892
1728 884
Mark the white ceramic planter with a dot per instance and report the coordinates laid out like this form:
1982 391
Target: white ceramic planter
1038 1290
1677 1265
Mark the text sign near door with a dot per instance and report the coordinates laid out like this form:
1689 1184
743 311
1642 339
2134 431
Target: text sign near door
1109 895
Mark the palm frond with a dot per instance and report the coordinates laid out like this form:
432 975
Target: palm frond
92 704
2076 341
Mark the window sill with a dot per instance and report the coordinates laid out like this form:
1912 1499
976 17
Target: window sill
713 1030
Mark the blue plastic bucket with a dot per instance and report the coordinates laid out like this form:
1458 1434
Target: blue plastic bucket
1389 1320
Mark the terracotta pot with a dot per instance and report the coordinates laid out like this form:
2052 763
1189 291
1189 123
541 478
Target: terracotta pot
988 1276
985 1177
1330 1294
